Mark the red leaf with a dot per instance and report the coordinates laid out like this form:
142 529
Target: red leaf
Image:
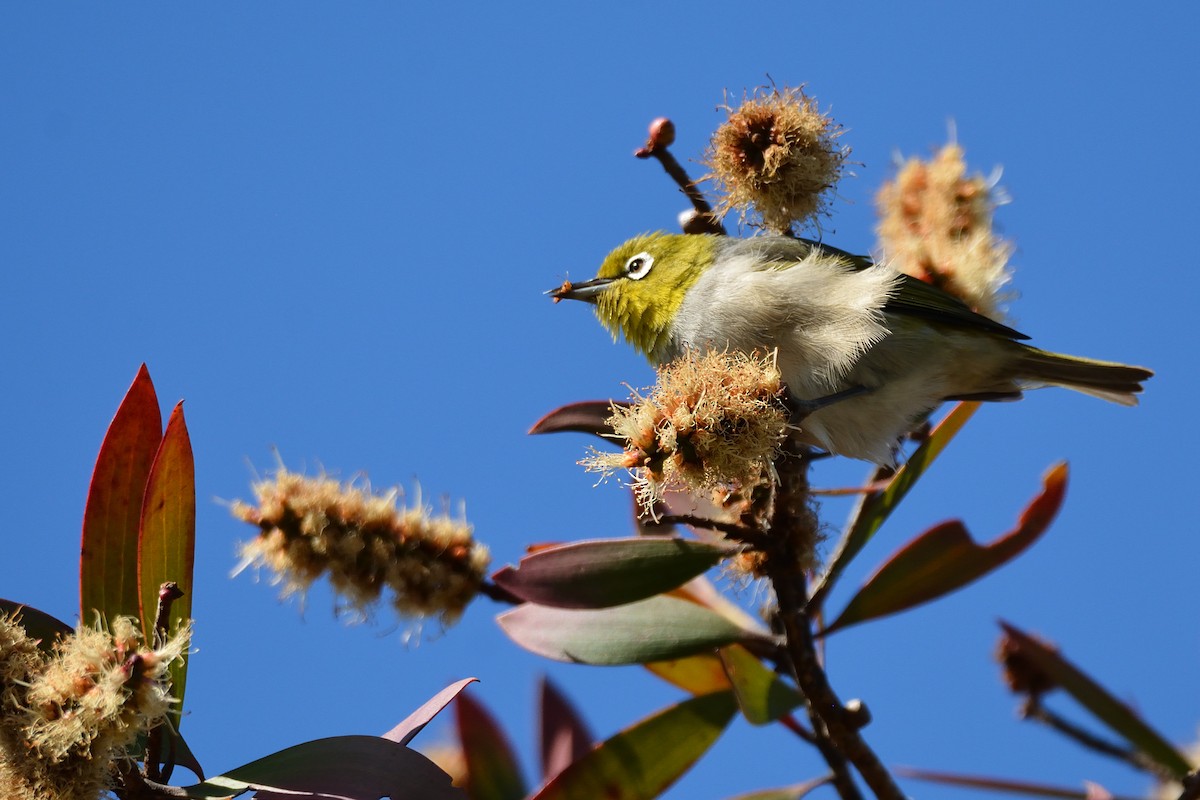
564 735
414 722
945 558
108 550
589 416
492 769
167 544
1090 791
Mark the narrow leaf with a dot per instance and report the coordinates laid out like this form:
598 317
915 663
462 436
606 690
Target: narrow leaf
37 624
417 720
762 695
108 548
492 769
167 544
649 630
1100 702
607 572
876 507
945 558
564 736
641 762
1026 788
795 792
354 767
589 416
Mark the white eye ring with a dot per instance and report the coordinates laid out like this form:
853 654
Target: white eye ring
639 266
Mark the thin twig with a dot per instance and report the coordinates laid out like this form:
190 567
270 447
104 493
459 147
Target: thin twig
153 767
1191 786
168 593
1033 710
662 134
500 595
792 724
732 530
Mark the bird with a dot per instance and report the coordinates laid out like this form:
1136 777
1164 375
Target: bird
867 350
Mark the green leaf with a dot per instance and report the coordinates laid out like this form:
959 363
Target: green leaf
167 544
642 761
945 558
108 549
703 673
599 573
492 769
1096 699
356 767
37 624
876 507
762 695
649 630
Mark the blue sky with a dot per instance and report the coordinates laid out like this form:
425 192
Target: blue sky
328 229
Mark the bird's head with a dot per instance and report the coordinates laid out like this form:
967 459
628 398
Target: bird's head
641 285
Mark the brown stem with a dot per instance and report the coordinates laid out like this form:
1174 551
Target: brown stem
135 786
152 764
836 728
839 770
1191 786
732 530
662 133
168 593
793 725
1034 710
500 595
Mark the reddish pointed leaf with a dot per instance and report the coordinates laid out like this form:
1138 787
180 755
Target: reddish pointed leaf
599 573
37 624
416 721
564 735
795 792
493 772
1009 787
762 695
589 416
657 629
642 761
874 508
167 544
354 767
1099 701
108 549
945 558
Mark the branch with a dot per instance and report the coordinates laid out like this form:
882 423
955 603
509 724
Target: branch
1033 709
662 134
837 727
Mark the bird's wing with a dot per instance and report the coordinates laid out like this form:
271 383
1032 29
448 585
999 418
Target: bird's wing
917 298
913 296
781 252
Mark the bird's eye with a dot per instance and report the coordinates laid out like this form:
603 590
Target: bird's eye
639 266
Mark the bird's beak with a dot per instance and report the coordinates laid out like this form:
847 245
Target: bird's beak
587 291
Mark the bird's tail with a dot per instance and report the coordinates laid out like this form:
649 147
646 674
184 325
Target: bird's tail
1117 383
